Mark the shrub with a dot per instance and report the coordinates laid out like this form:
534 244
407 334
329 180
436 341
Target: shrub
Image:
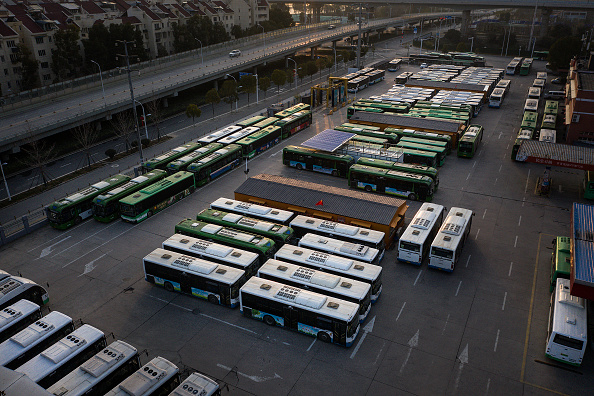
110 153
134 143
145 142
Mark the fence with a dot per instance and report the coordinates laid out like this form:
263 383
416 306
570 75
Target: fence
25 225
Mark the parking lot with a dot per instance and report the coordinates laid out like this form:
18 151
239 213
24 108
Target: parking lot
479 330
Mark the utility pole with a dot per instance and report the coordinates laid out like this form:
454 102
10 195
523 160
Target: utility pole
532 27
132 96
359 38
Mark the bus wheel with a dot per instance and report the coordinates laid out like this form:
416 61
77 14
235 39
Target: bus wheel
335 173
149 214
412 197
368 188
168 286
323 336
299 167
269 320
213 299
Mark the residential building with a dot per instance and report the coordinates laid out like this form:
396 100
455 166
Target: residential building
579 113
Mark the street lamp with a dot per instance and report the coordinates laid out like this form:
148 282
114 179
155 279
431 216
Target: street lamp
471 42
264 36
293 60
201 57
5 182
257 88
144 118
101 77
236 105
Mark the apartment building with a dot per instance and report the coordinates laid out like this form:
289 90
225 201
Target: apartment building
579 108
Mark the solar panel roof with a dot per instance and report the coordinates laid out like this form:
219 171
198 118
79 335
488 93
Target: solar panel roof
328 140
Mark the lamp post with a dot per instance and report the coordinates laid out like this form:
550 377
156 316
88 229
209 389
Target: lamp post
236 105
5 182
257 88
201 57
471 42
101 77
143 117
293 60
264 36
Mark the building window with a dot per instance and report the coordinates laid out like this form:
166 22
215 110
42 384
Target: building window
11 44
2 58
49 39
47 77
41 52
575 118
16 70
14 58
39 40
6 72
44 65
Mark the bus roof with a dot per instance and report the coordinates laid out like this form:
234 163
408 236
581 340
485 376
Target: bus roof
238 135
317 153
198 383
422 222
451 230
392 173
194 155
154 188
247 208
154 162
256 226
15 312
257 135
231 233
10 284
250 121
345 230
570 316
146 379
91 191
379 163
212 157
220 134
120 191
349 249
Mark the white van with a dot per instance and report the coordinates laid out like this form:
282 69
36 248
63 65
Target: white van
554 95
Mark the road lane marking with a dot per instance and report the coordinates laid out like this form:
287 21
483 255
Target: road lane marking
504 298
484 213
90 266
519 221
400 311
496 341
412 343
458 290
468 260
510 268
48 249
477 233
418 276
82 240
65 165
367 329
516 241
254 378
312 344
445 325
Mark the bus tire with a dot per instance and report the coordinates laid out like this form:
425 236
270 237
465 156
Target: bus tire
412 197
299 167
168 286
213 299
335 173
149 214
269 320
368 188
323 336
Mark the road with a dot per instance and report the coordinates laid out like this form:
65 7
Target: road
479 330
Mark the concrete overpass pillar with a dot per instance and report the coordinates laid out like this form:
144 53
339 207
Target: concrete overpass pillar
255 70
313 52
216 85
465 22
165 102
316 12
545 14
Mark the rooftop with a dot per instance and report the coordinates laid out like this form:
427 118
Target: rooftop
585 80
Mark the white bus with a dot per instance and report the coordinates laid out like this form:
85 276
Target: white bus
414 244
29 342
541 75
64 356
534 92
394 64
568 326
447 245
261 212
346 249
319 282
276 304
505 84
365 236
496 98
157 377
341 266
16 317
227 255
513 66
4 274
235 136
197 384
15 288
221 133
217 283
531 105
547 135
100 373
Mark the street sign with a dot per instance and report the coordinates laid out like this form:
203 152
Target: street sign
241 74
449 17
415 31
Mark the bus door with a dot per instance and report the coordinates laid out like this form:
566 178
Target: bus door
291 316
343 168
309 162
339 331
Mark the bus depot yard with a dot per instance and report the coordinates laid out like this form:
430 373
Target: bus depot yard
481 329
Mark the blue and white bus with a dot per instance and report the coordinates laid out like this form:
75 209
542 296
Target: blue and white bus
16 317
414 244
446 248
157 377
354 251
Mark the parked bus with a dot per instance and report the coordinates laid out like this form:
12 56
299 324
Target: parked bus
376 76
279 233
294 123
354 251
317 161
531 105
560 260
551 107
394 65
525 67
549 121
415 242
264 247
400 133
16 317
214 282
64 356
470 141
152 199
529 120
15 288
100 373
496 98
267 122
361 126
589 185
292 110
433 173
161 161
106 207
391 138
345 232
363 140
157 377
183 162
276 304
77 207
197 384
504 84
567 334
402 78
411 186
415 156
524 134
352 269
215 164
29 342
210 251
221 133
357 84
446 248
259 141
547 136
513 67
534 93
250 121
319 282
273 215
236 136
429 142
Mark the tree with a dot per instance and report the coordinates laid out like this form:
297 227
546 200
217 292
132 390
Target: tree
38 153
248 84
290 76
281 16
264 84
66 57
123 126
311 68
86 135
562 51
237 31
321 64
98 47
302 72
201 27
462 47
212 97
193 111
30 69
156 112
279 78
453 36
228 92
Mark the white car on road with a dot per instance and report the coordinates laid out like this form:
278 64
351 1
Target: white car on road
234 53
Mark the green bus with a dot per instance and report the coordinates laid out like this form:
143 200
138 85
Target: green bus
250 121
440 151
470 141
433 173
259 141
351 110
524 134
279 233
362 140
392 138
106 207
387 107
416 156
551 107
429 142
529 120
402 184
183 162
161 161
77 207
560 260
549 121
266 122
144 203
589 185
293 109
215 164
526 67
541 55
264 247
294 123
317 161
421 135
360 126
